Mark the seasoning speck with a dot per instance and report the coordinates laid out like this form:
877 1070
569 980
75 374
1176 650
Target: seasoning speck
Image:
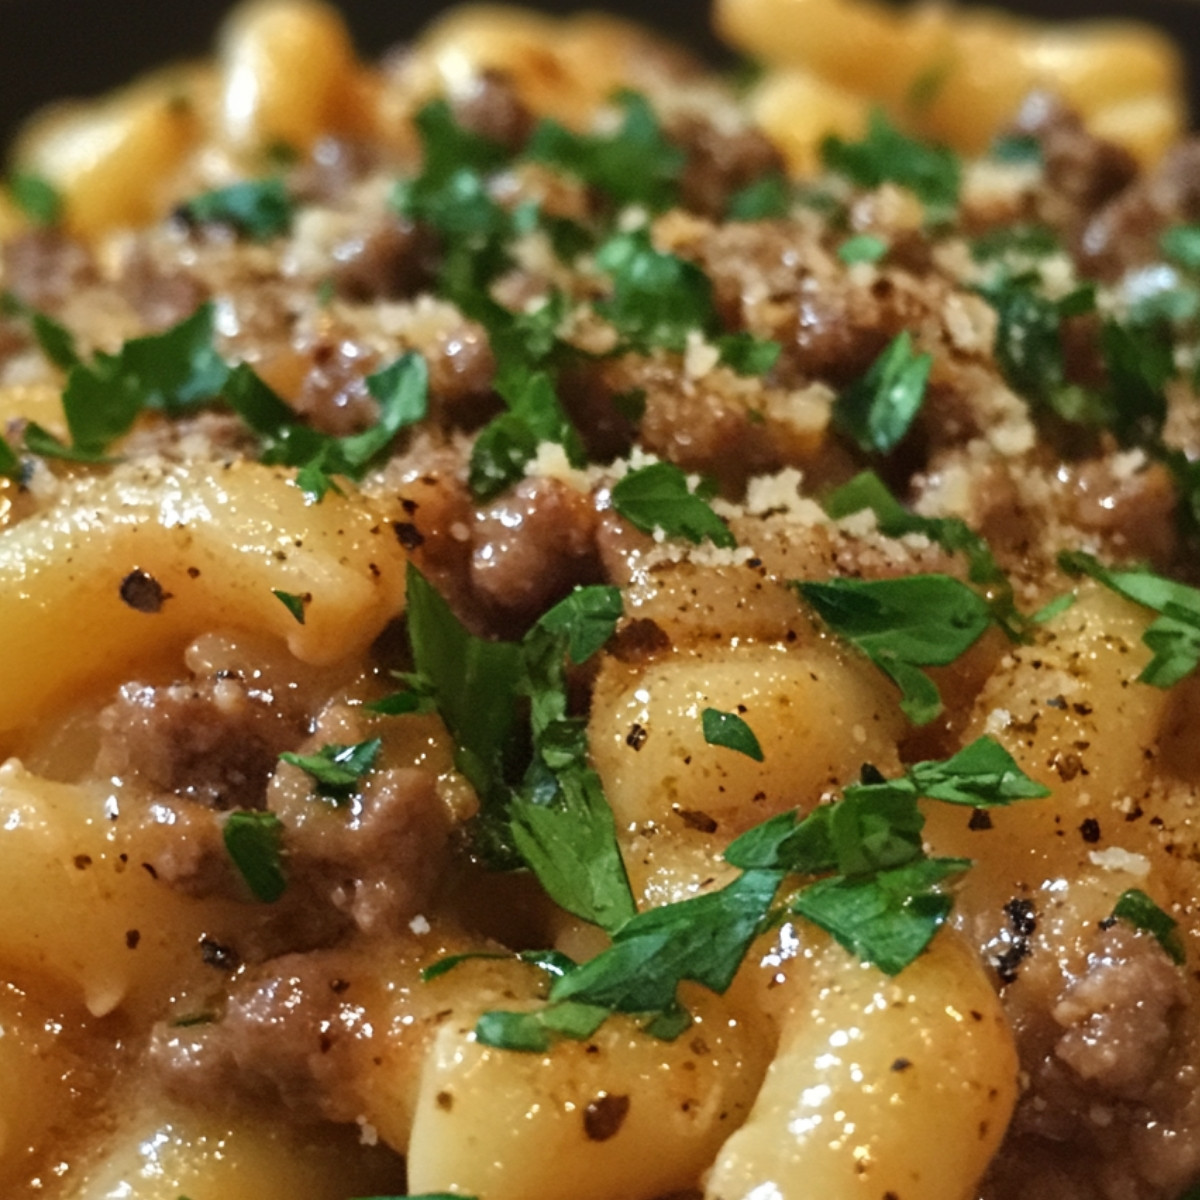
143 592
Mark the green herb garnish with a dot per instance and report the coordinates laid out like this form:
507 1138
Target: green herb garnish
36 197
253 841
885 155
296 605
1135 907
1174 636
337 770
864 248
634 165
880 408
657 497
729 731
902 625
260 209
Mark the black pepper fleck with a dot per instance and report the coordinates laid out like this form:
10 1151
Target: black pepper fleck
408 535
635 739
604 1116
1090 831
132 937
224 958
143 593
980 820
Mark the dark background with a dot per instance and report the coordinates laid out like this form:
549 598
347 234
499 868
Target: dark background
55 48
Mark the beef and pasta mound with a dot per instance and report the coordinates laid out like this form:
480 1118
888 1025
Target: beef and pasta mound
563 643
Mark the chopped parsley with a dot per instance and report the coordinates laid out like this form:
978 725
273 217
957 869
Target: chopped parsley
1174 636
505 447
543 804
885 155
657 298
878 411
868 491
1181 244
55 340
1135 907
10 463
657 497
634 165
172 371
729 731
902 625
260 209
748 355
253 841
863 248
337 770
296 605
1017 149
765 199
36 197
880 896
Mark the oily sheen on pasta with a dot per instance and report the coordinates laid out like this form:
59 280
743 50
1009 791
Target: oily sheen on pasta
579 630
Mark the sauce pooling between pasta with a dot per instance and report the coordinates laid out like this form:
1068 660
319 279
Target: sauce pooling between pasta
549 657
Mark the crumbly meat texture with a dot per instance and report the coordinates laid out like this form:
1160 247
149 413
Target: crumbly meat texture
1108 1030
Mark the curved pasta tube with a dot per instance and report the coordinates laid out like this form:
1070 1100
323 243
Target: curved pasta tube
1070 712
35 1101
633 1116
880 1087
818 716
289 75
100 924
209 546
164 1154
112 161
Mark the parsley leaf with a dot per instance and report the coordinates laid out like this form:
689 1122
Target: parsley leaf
657 497
1141 912
878 410
748 355
731 732
764 199
864 248
885 155
536 1031
703 939
587 618
903 624
1174 637
658 298
259 208
505 447
474 682
887 919
36 197
172 371
10 464
1181 244
983 775
1024 241
868 491
253 841
336 769
293 603
1018 149
561 822
634 165
56 341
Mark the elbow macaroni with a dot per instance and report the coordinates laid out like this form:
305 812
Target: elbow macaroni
815 1076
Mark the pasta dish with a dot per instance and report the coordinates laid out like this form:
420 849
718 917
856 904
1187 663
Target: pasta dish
577 628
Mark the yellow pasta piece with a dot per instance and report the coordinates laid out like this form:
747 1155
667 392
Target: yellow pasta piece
881 1086
111 161
288 75
797 110
621 1114
204 546
35 1101
818 715
166 1154
102 925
